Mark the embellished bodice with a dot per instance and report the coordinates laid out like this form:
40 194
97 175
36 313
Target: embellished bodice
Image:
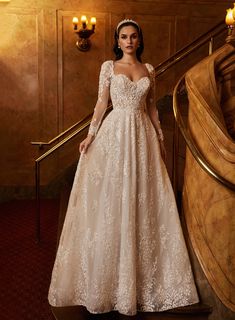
127 94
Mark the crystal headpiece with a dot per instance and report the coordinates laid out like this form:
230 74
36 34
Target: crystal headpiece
125 21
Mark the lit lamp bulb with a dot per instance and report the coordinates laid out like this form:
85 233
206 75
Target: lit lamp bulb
93 22
75 23
229 17
230 21
84 21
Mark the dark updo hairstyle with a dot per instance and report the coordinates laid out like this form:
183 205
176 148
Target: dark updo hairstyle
118 51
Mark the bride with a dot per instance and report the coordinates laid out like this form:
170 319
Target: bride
122 246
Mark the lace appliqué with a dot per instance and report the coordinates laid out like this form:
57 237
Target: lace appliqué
151 103
103 97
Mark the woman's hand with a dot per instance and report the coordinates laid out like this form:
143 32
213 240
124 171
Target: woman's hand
85 143
163 150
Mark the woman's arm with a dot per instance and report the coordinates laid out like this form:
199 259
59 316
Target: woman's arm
103 98
151 105
101 105
153 112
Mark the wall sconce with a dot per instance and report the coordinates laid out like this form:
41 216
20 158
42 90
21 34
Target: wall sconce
230 21
84 32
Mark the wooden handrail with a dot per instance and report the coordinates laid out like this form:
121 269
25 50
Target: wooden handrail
207 35
59 136
184 52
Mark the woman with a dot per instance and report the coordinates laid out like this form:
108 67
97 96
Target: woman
122 246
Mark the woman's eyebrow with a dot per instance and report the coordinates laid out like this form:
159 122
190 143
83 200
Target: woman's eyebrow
125 34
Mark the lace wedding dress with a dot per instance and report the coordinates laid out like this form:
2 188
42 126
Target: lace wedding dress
122 246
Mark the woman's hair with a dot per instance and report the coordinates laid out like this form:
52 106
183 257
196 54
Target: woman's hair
118 51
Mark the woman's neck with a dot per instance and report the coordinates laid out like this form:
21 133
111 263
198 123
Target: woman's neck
129 59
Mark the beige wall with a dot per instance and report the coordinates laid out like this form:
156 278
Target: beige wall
47 84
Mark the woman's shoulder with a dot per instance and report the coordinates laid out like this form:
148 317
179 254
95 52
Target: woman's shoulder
150 68
107 64
107 67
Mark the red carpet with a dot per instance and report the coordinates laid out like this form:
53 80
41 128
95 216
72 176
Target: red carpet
25 266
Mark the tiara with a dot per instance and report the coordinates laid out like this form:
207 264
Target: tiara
125 21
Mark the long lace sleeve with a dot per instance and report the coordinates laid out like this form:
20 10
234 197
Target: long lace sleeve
151 104
103 97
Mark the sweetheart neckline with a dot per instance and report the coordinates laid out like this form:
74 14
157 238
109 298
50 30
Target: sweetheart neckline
123 74
135 82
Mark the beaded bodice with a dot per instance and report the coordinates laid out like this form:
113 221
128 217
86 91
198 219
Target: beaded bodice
127 94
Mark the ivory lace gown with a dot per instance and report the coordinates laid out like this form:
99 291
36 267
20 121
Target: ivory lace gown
122 246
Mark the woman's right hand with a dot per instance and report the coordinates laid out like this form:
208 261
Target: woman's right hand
85 143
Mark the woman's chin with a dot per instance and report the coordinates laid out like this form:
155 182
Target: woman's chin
129 50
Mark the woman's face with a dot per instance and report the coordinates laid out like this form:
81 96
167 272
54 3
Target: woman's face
128 39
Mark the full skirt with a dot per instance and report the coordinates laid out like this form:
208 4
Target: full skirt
122 246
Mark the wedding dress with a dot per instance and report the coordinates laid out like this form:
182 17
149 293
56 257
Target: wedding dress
122 246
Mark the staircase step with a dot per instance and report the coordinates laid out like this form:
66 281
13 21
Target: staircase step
196 308
197 311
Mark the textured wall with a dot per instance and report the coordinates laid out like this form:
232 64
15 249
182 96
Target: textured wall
47 84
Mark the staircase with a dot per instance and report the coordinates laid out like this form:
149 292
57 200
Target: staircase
197 312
